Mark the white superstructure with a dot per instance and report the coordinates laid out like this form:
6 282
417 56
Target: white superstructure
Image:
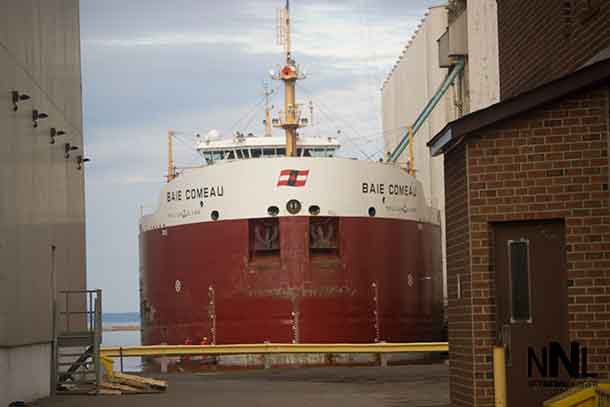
249 146
259 188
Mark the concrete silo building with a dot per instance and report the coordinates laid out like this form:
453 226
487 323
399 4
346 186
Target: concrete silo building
447 32
42 232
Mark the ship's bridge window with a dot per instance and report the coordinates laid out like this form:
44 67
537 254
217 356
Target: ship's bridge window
230 155
209 157
269 152
255 152
322 152
317 152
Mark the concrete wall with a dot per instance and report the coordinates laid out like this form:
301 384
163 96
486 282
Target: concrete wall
483 65
411 84
41 192
24 373
416 77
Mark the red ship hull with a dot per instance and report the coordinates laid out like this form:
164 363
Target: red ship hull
380 281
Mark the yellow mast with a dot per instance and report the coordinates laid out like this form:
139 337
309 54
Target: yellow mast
171 174
289 74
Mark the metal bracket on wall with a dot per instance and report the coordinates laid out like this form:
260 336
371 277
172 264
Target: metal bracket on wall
68 148
36 115
17 98
53 132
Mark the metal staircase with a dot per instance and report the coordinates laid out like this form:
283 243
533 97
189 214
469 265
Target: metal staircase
78 336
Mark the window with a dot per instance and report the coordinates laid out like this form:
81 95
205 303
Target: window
281 151
240 154
269 152
255 152
321 152
519 280
208 158
230 155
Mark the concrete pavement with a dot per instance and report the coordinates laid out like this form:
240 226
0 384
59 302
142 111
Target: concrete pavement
413 385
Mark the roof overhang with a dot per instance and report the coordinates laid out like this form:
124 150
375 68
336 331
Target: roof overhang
441 142
458 130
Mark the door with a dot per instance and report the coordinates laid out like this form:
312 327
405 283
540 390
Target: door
531 306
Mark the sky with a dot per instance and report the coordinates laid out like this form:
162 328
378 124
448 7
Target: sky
197 65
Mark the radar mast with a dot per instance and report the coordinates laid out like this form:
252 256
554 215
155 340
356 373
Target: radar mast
290 119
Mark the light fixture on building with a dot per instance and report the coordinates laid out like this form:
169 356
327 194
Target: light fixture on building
68 148
36 115
55 133
18 97
80 160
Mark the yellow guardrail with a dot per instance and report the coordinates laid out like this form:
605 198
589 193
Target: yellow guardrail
596 395
270 348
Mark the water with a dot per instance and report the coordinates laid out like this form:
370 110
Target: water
122 338
121 318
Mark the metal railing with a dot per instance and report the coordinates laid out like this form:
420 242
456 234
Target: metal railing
84 306
78 325
273 348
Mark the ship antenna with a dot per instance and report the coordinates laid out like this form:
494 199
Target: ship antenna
311 113
288 31
171 169
290 119
268 92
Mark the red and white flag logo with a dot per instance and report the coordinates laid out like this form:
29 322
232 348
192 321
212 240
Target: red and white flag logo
292 178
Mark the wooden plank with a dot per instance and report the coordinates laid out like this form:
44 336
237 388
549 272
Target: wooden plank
140 380
120 387
129 382
106 392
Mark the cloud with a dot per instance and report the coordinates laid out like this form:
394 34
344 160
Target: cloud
196 65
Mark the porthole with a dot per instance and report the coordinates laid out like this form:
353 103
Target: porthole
273 210
293 206
372 211
214 215
314 210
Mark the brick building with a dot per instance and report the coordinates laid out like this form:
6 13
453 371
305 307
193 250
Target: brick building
543 40
528 177
527 214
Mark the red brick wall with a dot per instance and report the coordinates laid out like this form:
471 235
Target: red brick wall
550 163
540 40
459 310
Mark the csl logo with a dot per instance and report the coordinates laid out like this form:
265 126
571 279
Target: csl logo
547 362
